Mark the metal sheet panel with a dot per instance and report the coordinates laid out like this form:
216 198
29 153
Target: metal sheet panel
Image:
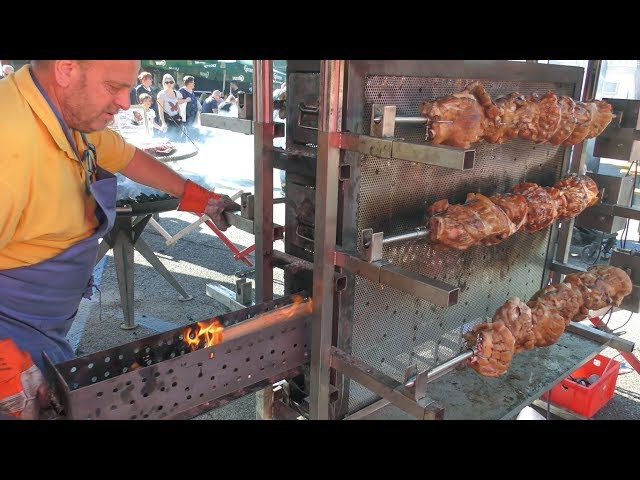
392 330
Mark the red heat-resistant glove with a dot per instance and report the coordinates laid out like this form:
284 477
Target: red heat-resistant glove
20 381
198 199
195 197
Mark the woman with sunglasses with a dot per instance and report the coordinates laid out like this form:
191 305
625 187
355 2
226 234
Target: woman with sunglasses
169 101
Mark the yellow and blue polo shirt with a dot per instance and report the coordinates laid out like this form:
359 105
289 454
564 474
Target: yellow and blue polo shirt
44 208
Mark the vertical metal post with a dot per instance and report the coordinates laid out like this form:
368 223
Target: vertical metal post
263 169
327 169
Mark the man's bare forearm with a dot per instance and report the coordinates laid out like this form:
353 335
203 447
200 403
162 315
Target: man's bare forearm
148 171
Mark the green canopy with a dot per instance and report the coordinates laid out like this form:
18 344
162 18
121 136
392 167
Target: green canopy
223 70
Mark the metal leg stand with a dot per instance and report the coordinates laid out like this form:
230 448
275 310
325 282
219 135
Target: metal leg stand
123 238
123 258
147 253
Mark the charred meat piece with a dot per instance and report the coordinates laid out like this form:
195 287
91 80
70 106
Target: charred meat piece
580 192
602 116
542 208
562 297
548 324
538 117
567 120
493 347
516 315
455 120
461 226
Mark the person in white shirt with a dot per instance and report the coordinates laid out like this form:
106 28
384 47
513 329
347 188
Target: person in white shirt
145 101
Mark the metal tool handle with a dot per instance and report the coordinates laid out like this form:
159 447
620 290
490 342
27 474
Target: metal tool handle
304 109
302 236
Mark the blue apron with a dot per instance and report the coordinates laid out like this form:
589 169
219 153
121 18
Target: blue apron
39 302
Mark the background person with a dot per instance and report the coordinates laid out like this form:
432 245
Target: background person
57 199
193 107
169 101
210 104
145 86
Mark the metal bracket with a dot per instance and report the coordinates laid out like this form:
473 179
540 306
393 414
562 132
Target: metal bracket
372 244
438 155
403 397
244 291
383 121
386 273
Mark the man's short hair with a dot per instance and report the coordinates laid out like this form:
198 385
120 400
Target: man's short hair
216 91
144 75
144 96
188 79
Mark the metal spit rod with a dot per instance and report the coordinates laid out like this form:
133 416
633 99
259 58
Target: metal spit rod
410 120
419 232
443 368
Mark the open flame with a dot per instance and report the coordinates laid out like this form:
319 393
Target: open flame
209 332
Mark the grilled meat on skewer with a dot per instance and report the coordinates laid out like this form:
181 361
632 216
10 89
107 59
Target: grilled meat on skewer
538 117
548 324
542 208
543 319
469 116
567 120
580 192
493 347
601 286
455 120
488 221
563 297
516 315
461 226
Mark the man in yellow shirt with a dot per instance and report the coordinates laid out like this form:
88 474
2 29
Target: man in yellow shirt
57 198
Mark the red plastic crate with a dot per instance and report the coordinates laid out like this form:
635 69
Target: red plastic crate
583 400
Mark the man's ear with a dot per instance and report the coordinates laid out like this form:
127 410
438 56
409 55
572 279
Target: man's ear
65 70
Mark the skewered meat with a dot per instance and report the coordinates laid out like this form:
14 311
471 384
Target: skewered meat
516 315
504 127
528 206
515 206
478 220
548 324
493 347
469 116
543 319
455 120
567 120
562 297
601 286
580 192
538 117
542 208
582 112
601 117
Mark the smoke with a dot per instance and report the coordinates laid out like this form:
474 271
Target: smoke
223 161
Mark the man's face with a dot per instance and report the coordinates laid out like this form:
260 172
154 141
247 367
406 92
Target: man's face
97 89
147 81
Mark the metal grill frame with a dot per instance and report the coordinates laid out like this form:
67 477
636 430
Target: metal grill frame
454 75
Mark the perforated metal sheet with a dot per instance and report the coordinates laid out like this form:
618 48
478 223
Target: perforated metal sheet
393 330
